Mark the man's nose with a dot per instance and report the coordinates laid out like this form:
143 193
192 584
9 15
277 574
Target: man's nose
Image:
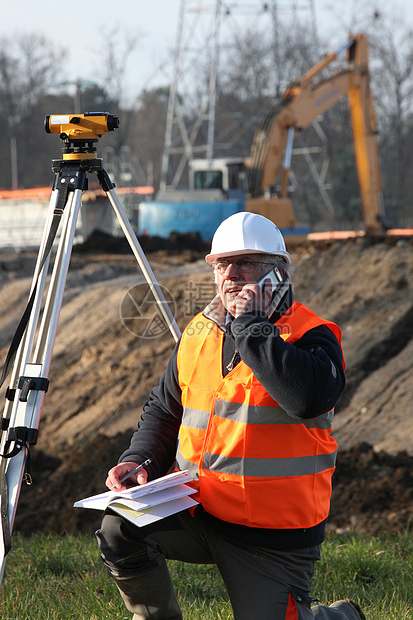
231 271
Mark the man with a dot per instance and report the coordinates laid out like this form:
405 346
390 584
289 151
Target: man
245 405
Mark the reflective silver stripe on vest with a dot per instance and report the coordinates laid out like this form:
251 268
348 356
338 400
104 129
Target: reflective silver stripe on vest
182 464
195 418
267 468
248 414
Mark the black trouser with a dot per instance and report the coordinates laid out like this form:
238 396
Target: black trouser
262 583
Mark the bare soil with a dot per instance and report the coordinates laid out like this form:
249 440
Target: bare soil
108 354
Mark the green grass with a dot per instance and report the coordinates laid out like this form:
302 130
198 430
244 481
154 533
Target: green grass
49 577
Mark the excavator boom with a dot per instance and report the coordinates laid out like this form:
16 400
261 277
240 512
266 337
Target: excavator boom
301 103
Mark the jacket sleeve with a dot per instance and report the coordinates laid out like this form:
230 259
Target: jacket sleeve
157 432
305 378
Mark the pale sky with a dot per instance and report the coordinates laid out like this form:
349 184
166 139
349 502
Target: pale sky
81 28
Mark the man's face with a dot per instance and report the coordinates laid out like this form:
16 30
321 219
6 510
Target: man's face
232 273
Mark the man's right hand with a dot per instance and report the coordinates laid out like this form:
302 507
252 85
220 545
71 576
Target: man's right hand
117 472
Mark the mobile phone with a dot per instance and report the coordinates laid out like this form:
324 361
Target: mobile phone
276 284
276 279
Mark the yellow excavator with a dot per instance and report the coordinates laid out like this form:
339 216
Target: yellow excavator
302 102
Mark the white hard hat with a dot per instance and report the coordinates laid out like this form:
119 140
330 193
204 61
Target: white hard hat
247 233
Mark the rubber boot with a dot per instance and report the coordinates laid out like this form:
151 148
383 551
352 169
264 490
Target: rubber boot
350 608
151 595
340 610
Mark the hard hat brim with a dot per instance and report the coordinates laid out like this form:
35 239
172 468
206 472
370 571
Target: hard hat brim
210 258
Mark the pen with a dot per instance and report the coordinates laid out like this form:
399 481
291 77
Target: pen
133 471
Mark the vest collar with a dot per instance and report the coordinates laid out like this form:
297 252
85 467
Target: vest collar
216 312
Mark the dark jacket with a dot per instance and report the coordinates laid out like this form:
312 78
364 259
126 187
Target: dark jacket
305 378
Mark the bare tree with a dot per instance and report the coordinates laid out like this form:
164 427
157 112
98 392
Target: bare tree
391 67
117 50
392 52
28 67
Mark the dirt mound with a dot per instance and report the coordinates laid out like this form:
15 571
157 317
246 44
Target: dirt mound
102 371
372 491
102 242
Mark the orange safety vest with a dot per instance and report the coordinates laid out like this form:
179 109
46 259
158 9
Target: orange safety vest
253 464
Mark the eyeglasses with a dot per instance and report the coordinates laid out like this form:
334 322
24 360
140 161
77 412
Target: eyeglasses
244 265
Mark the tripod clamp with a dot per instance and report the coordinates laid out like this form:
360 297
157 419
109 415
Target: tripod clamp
25 385
22 437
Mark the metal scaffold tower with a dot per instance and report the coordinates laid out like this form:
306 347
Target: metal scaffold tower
206 33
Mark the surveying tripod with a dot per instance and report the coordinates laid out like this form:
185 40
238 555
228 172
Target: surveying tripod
30 353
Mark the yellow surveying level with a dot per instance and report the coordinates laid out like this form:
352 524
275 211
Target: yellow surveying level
87 126
80 131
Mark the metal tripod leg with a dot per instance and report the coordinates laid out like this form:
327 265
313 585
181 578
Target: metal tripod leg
40 276
143 263
33 359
